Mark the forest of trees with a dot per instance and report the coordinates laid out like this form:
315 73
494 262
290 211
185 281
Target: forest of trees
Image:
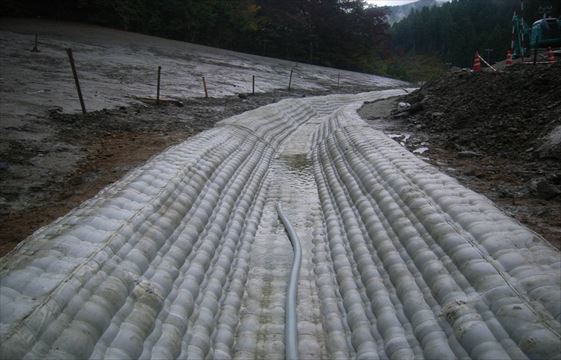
456 29
347 34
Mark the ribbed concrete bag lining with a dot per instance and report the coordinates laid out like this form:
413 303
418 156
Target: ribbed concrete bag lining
410 265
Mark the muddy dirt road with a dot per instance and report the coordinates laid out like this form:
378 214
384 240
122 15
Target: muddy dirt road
186 254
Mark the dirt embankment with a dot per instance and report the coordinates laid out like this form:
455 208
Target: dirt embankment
498 133
506 114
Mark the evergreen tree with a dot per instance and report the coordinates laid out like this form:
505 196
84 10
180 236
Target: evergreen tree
456 29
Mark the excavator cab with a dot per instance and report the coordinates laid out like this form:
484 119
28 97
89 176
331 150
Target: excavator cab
545 33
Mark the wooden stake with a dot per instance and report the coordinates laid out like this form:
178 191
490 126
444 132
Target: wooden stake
35 48
253 85
204 86
158 89
290 80
76 81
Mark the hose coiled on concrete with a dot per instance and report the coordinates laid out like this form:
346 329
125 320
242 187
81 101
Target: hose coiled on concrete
290 327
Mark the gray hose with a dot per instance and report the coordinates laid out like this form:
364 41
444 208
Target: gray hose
290 327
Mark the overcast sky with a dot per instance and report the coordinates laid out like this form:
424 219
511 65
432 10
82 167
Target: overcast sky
389 2
393 2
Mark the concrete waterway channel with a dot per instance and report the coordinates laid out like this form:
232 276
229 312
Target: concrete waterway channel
185 257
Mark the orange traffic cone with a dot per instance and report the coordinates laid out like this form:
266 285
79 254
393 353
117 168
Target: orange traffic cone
509 58
476 62
550 56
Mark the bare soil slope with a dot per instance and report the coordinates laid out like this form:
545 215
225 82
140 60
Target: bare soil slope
505 113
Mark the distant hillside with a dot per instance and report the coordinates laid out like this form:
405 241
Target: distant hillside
396 13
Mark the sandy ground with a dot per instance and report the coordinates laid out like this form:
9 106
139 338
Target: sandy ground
52 158
502 180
